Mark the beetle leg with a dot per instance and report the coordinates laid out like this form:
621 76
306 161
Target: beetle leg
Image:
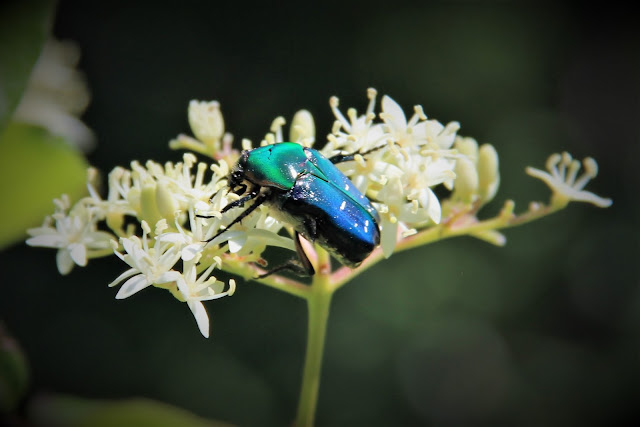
259 199
240 202
301 266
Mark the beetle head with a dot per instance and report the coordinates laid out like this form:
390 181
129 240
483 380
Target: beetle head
237 176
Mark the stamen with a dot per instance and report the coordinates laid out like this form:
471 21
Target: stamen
335 129
450 128
232 287
352 114
562 167
162 225
369 117
590 171
420 112
552 161
574 167
276 127
333 103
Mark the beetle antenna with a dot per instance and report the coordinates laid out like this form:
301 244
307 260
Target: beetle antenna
340 158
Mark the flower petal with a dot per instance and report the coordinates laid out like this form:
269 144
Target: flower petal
130 272
64 261
389 234
78 253
200 314
396 117
189 252
434 209
47 240
133 285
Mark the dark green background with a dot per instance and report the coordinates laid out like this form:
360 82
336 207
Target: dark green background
545 331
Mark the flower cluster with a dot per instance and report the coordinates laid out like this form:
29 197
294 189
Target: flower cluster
172 255
418 155
164 221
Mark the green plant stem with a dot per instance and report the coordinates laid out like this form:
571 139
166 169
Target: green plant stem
505 219
318 304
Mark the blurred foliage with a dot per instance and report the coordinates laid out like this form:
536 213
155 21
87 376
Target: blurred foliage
27 155
69 411
14 373
542 332
24 27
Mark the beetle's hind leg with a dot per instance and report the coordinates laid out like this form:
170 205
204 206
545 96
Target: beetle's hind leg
301 266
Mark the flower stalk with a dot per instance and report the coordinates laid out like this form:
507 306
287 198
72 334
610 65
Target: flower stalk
318 305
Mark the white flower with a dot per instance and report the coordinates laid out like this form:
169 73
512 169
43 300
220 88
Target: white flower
189 189
75 235
357 134
562 179
194 289
150 265
156 266
57 94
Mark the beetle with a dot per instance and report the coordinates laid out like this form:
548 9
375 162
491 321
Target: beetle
306 190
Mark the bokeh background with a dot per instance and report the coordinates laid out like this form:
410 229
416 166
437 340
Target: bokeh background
545 331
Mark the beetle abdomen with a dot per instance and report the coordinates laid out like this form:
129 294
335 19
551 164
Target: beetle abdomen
324 213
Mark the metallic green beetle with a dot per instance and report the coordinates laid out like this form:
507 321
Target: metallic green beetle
306 190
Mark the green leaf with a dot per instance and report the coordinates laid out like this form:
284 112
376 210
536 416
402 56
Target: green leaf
60 410
35 168
24 27
14 372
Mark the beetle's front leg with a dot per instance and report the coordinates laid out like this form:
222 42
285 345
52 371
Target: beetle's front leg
238 203
260 198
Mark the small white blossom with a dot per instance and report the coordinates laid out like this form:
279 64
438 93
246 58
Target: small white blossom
150 265
158 265
194 289
74 234
562 179
357 134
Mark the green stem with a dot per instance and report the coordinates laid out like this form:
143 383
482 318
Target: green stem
318 303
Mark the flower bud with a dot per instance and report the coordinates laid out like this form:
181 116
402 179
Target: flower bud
303 128
466 184
165 201
468 147
488 172
206 122
148 205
